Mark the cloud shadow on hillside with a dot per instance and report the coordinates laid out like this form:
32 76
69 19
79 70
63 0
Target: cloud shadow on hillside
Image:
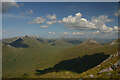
77 65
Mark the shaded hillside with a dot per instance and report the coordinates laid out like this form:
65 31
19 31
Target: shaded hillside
90 73
37 55
77 65
19 43
99 71
40 40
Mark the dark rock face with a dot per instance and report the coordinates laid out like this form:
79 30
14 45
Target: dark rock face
18 43
77 65
51 41
53 44
40 40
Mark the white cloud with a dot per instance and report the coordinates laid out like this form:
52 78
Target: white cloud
7 5
51 22
113 30
100 23
27 12
66 33
77 33
53 33
77 22
96 32
49 32
51 17
96 23
38 20
59 21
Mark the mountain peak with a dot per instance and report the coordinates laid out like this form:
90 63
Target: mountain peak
115 42
18 43
91 41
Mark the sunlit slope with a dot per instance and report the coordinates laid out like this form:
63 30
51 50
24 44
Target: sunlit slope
107 63
89 48
19 61
44 53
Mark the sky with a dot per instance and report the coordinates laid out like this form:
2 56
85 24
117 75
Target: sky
60 19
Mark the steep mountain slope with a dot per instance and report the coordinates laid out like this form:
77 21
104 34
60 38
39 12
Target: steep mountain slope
110 68
91 73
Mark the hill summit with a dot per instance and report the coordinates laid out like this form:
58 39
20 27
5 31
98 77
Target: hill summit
90 41
18 43
115 42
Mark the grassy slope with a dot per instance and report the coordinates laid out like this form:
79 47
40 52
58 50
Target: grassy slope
87 49
93 71
102 66
18 61
81 50
22 62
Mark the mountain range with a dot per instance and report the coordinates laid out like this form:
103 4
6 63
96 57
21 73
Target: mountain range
22 56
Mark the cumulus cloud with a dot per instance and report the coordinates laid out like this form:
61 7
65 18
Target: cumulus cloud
51 17
51 22
77 33
66 33
53 33
77 22
44 26
96 23
7 5
96 32
38 20
59 21
100 22
27 12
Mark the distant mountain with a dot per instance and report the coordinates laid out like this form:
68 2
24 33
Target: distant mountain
30 53
18 43
115 42
90 41
88 47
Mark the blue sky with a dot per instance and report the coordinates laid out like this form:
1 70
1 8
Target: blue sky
63 19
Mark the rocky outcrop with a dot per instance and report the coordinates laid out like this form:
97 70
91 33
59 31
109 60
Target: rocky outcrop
90 41
115 66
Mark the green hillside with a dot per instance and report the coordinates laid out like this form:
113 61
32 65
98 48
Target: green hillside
89 49
20 61
107 63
